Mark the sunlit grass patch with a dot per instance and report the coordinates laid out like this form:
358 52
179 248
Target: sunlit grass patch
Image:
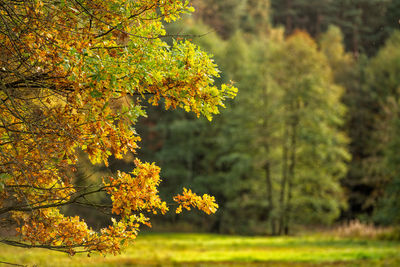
220 250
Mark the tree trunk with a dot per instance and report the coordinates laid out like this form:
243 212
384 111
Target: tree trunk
271 206
288 18
283 182
267 165
318 23
291 174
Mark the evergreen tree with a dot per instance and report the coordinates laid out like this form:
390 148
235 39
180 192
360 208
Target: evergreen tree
362 21
229 16
384 80
223 16
348 73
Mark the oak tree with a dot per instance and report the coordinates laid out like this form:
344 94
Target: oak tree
76 75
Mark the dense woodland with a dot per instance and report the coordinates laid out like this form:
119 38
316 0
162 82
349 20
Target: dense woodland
313 136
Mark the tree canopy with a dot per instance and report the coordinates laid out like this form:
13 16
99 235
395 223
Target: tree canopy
76 75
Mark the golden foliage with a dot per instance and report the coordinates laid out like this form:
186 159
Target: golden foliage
73 76
205 203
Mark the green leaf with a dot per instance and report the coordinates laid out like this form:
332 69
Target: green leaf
96 94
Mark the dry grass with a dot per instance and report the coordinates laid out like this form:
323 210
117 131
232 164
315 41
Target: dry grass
359 230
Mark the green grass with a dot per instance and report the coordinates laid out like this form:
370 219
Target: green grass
220 250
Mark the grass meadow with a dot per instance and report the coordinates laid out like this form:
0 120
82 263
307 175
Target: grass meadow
220 250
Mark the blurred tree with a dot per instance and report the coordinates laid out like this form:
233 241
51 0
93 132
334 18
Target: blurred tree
341 62
313 147
223 16
384 80
256 19
362 21
265 122
228 16
313 16
372 102
349 73
392 15
363 24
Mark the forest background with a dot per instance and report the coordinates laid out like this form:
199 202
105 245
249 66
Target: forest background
312 137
